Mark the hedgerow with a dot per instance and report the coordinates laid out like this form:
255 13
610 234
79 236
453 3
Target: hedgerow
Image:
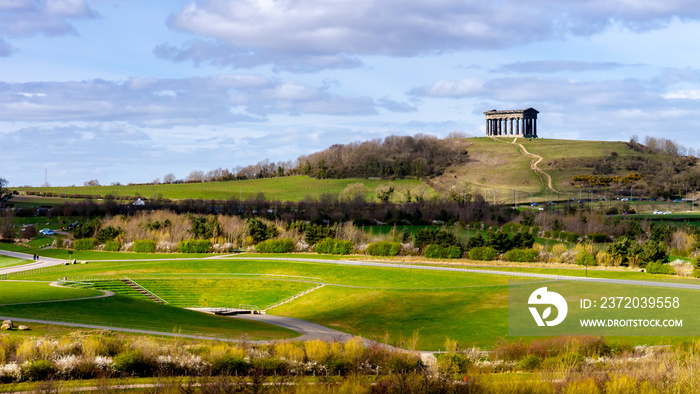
334 246
383 248
284 245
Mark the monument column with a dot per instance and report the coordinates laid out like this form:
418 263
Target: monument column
534 122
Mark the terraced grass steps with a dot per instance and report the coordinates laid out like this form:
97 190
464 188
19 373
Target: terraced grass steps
294 297
143 291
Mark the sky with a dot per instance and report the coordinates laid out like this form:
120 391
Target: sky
128 91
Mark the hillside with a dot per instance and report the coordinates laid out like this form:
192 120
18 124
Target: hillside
499 165
291 188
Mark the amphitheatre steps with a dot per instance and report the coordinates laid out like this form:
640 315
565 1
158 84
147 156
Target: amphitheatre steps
143 291
292 298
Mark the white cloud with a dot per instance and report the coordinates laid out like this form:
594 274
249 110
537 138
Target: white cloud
689 94
167 102
307 35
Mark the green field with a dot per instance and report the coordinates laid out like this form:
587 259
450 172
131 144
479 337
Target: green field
388 304
291 188
18 292
223 292
10 261
121 311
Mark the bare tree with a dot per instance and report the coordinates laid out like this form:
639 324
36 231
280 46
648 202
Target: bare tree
169 178
3 185
92 182
195 176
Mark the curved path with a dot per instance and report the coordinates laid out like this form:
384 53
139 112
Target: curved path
43 262
536 159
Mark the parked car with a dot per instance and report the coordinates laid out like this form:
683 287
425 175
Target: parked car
668 213
658 213
47 231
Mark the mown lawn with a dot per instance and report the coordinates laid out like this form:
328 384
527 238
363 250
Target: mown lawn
223 292
120 311
15 292
471 316
10 261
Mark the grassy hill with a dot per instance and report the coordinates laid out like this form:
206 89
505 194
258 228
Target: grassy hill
291 188
499 165
494 165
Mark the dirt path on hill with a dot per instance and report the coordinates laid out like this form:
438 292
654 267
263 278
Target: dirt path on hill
536 159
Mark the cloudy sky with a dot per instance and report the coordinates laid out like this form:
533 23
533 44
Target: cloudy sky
128 91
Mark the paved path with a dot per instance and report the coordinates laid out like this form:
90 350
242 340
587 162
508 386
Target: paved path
43 262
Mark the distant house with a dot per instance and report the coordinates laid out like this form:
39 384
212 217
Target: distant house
139 202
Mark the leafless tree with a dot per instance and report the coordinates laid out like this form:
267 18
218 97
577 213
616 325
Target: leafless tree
169 178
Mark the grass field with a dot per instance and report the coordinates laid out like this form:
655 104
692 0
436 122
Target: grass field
223 292
10 261
120 311
292 188
17 292
388 304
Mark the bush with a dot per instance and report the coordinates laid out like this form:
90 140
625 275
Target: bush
529 363
383 248
440 252
132 363
522 255
194 246
284 245
483 253
112 246
39 370
84 244
229 365
660 268
572 237
144 246
598 238
334 246
450 364
585 258
696 273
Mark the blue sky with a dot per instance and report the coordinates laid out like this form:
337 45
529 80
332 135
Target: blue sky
128 91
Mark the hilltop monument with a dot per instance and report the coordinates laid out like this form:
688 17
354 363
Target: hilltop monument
521 122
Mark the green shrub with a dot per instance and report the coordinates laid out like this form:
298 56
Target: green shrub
598 238
529 363
483 253
440 252
522 255
38 370
132 363
84 244
144 246
661 268
450 364
572 237
194 246
113 246
229 366
383 248
585 258
334 246
284 245
696 273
